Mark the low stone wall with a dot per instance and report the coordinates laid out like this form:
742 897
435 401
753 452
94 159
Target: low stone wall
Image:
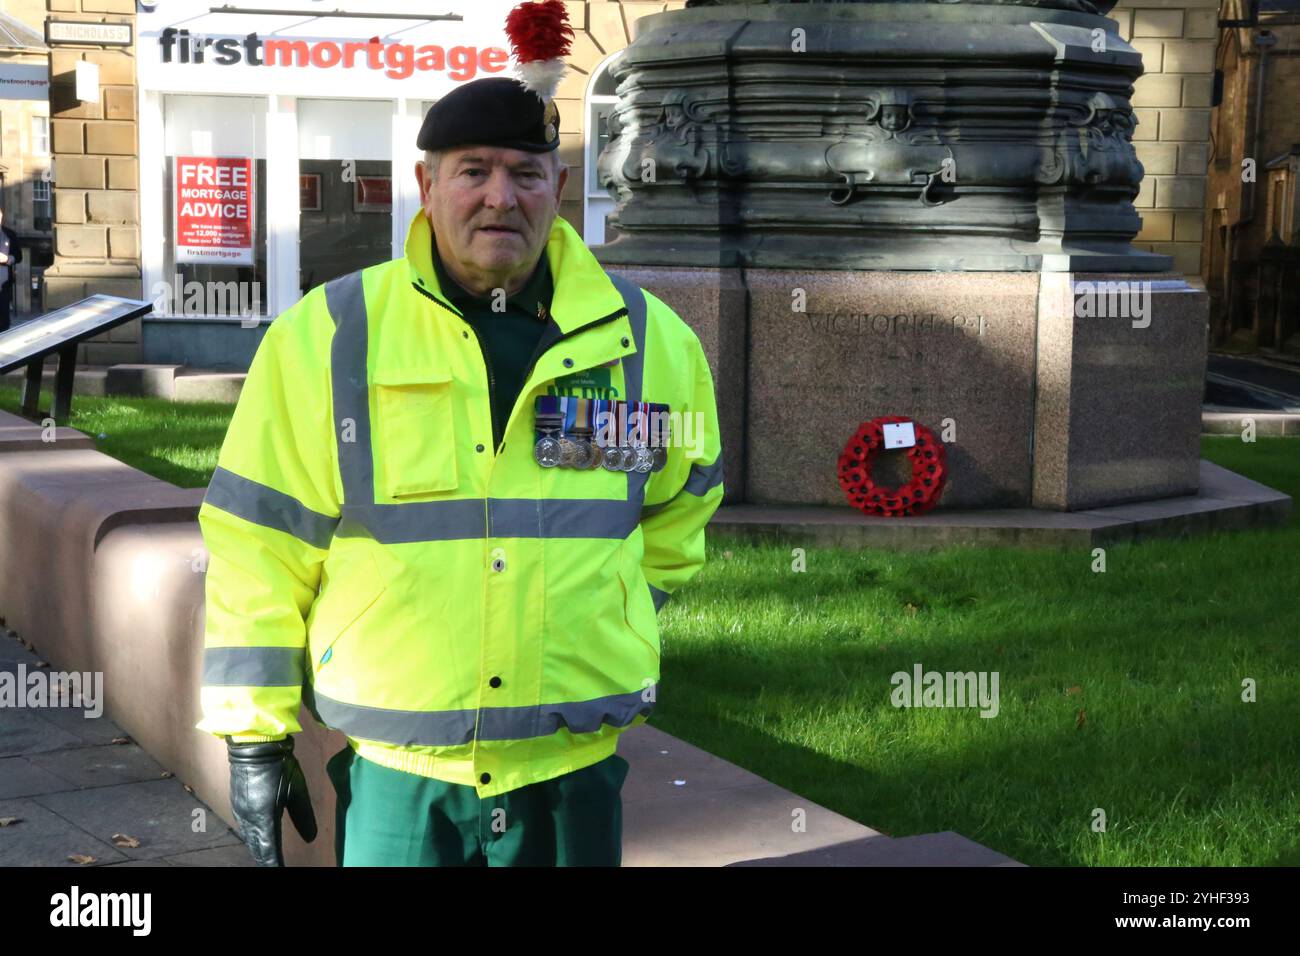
101 569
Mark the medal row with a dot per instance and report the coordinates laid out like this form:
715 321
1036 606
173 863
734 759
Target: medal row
589 433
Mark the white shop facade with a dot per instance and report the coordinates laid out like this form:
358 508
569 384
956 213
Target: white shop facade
277 150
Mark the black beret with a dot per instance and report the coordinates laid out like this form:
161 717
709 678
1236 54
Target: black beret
495 111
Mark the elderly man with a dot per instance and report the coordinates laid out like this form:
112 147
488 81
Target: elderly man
442 521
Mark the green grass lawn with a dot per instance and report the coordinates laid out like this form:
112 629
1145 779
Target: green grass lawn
175 441
1119 691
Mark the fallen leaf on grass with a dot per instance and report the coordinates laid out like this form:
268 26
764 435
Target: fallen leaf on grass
122 841
81 858
1080 719
1071 691
8 821
910 608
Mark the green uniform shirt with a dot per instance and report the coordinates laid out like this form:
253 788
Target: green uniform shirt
508 338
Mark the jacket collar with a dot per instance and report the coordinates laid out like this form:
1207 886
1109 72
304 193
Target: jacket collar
582 291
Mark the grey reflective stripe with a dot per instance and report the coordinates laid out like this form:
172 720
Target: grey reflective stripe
660 597
634 366
269 508
698 481
464 518
704 477
453 520
578 717
404 728
448 728
346 300
561 518
252 666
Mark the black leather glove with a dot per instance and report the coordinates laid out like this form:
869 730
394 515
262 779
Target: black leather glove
265 779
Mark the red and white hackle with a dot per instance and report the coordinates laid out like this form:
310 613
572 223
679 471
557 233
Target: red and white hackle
540 37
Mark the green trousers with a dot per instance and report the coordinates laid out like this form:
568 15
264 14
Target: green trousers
387 817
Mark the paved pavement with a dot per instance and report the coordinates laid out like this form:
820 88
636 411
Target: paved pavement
1252 382
78 792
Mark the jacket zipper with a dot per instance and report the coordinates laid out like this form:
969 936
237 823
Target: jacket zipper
492 384
487 362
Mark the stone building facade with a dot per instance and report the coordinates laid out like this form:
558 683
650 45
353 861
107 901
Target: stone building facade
96 177
1252 230
25 177
100 229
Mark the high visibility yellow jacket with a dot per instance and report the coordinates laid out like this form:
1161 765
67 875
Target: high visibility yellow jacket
458 611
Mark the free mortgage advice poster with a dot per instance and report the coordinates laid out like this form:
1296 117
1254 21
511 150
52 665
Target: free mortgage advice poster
214 209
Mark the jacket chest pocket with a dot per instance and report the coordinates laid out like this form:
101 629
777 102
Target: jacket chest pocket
414 433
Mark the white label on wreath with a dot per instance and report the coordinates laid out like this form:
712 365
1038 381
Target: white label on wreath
900 435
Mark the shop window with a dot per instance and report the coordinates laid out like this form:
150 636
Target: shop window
40 135
345 187
214 205
41 205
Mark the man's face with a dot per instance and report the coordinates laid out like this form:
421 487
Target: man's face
491 209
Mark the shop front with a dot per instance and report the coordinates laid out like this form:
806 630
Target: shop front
277 151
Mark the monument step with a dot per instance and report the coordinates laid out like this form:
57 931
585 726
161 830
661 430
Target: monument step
1225 501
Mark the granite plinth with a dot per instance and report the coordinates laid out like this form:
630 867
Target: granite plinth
1057 391
1121 372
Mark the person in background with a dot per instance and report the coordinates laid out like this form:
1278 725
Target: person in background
11 253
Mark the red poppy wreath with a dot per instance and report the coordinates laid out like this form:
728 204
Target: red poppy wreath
929 470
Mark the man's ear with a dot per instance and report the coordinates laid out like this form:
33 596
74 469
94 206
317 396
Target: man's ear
559 184
421 178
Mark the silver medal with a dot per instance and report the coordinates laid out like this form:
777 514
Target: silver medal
547 451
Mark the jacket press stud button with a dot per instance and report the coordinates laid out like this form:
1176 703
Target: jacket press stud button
499 564
485 778
478 447
495 682
626 343
568 363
